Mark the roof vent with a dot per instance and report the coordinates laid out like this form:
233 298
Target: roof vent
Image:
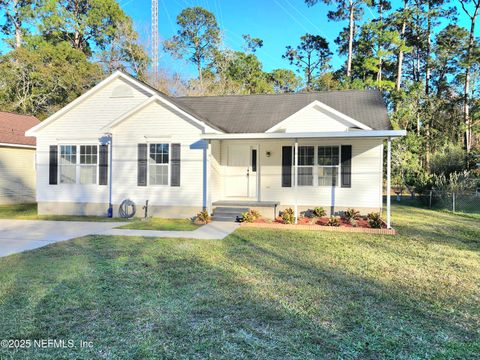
122 91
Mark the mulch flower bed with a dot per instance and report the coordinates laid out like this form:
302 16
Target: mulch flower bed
320 224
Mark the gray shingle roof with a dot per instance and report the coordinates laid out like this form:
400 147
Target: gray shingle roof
258 113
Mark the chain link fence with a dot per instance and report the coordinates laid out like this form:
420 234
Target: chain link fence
465 202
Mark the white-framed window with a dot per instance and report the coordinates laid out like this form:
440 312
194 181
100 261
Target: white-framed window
68 164
88 164
306 162
78 164
328 161
158 164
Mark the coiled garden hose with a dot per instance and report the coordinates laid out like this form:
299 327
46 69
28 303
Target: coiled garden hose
127 209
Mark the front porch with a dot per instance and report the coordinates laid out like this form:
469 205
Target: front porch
255 171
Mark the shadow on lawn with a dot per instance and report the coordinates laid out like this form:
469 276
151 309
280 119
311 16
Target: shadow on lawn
144 298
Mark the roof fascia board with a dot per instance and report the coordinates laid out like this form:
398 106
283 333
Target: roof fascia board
325 107
384 134
18 145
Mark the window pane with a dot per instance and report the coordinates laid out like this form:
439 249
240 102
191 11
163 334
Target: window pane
88 154
68 161
327 176
305 155
158 174
67 174
158 154
305 176
328 155
88 174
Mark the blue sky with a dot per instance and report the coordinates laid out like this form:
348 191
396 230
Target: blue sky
278 22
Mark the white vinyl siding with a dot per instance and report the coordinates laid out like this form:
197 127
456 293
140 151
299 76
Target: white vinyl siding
82 125
158 124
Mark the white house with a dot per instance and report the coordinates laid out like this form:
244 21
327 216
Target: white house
123 139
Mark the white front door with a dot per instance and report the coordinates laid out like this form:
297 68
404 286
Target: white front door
241 171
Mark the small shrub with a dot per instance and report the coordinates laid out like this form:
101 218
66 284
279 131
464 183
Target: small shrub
333 221
250 216
308 214
203 217
288 216
353 222
319 212
374 220
351 214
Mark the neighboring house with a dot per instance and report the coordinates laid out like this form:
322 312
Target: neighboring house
17 159
187 153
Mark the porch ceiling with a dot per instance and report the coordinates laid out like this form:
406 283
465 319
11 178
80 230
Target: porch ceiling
382 134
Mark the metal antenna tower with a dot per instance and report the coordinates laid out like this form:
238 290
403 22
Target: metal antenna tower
155 39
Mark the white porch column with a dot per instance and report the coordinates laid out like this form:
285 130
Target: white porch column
295 177
389 165
209 177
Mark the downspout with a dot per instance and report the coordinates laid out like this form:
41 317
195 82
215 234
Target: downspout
110 170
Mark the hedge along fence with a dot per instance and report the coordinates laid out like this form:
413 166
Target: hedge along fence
320 228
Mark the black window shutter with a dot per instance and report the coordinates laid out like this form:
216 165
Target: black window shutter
175 165
287 166
103 165
53 165
346 170
142 165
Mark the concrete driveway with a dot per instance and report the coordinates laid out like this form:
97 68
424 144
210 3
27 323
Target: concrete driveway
20 235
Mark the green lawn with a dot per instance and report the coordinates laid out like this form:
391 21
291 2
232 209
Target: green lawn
267 294
161 224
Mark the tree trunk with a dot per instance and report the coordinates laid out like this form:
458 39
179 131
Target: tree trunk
428 50
427 87
380 60
466 89
17 23
400 53
200 76
350 38
309 72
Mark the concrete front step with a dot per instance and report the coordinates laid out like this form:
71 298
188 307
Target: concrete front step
227 213
230 210
224 218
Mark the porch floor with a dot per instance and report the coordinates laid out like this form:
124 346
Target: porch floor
248 203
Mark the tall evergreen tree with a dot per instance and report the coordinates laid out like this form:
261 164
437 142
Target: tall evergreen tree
197 38
311 57
17 13
471 9
350 10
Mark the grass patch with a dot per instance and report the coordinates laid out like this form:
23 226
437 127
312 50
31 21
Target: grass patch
161 224
270 294
29 212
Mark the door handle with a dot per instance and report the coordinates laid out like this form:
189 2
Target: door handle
248 172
